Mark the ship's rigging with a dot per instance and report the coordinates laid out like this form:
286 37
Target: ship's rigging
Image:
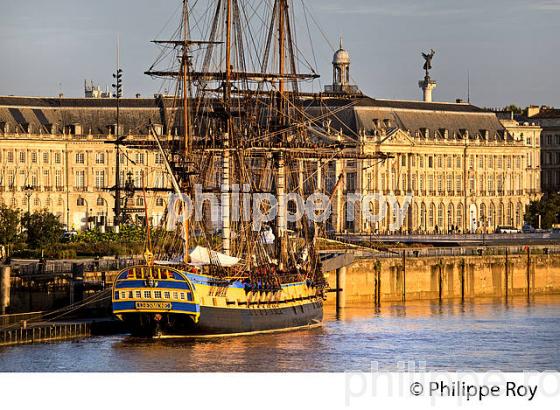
239 120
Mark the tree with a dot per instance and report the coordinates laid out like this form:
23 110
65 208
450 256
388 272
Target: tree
9 225
43 228
548 208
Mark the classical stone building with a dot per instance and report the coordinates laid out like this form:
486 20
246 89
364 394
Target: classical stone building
54 154
549 120
464 170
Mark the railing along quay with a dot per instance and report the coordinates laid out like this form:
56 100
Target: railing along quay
44 333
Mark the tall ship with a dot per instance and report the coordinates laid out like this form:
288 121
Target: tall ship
237 133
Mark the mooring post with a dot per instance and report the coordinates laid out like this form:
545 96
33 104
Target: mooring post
340 285
528 272
462 280
404 276
5 274
377 290
507 274
440 266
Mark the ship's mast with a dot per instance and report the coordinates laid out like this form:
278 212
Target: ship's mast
281 218
226 165
186 125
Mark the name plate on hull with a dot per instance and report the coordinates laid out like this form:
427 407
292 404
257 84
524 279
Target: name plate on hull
153 305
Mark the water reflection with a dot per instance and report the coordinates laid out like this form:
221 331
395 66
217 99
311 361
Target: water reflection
481 335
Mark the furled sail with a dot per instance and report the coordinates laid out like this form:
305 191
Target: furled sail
201 256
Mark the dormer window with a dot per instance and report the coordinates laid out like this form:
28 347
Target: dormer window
425 132
387 123
484 134
376 122
444 133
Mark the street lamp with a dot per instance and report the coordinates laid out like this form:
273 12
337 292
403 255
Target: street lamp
28 190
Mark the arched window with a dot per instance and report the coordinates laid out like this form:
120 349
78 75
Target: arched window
423 216
440 220
81 202
501 214
492 216
459 220
450 214
518 214
483 220
431 215
100 201
509 219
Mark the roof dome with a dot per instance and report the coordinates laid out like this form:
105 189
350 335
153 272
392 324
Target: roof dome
341 57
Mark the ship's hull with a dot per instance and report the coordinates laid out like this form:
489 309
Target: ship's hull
164 302
226 321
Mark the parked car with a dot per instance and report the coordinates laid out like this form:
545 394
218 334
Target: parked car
528 229
68 236
506 229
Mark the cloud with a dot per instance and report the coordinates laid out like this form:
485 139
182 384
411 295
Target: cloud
545 5
399 8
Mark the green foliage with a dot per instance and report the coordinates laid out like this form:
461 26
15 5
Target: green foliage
549 210
43 228
9 225
513 108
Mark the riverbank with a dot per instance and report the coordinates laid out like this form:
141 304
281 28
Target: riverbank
409 275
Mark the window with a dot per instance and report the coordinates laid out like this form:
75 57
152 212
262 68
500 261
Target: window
403 160
147 294
123 295
100 179
440 183
449 161
80 158
175 295
34 157
140 157
159 201
458 162
458 183
157 294
58 178
100 158
138 294
421 161
57 157
480 161
351 182
10 157
182 296
167 295
159 158
45 157
430 162
81 202
449 183
140 201
22 156
80 179
130 294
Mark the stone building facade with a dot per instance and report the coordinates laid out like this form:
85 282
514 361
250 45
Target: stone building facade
56 154
461 168
549 120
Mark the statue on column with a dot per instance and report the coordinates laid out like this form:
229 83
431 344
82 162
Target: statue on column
428 64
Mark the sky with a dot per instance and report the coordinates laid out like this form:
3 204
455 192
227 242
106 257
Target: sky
508 48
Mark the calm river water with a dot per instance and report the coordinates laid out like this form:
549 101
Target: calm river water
486 335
